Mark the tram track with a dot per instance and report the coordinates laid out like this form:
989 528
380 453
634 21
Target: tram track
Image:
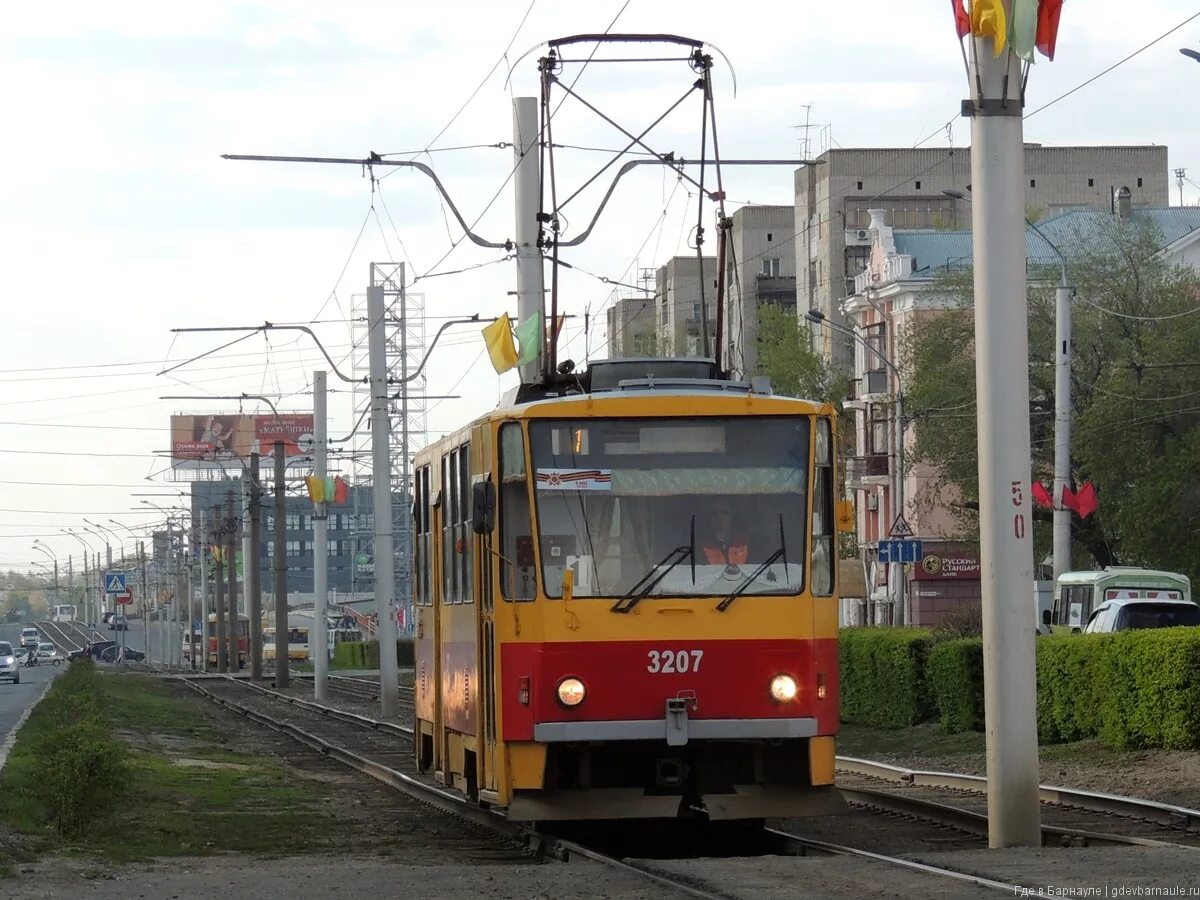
368 762
64 640
376 757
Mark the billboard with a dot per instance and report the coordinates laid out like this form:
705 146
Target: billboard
941 564
216 438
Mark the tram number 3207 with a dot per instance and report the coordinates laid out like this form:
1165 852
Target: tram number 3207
670 662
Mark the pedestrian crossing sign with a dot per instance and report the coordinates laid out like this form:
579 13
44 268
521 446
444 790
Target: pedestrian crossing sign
114 583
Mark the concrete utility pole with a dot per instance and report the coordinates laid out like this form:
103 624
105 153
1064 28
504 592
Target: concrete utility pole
204 554
1062 416
244 601
281 591
318 637
235 659
1002 384
254 571
219 584
527 189
381 479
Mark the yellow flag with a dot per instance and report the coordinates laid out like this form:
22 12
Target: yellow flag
500 345
316 488
988 20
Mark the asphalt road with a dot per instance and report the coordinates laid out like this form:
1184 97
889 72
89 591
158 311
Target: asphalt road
16 698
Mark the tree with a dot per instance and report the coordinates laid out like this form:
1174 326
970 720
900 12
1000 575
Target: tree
1135 392
786 359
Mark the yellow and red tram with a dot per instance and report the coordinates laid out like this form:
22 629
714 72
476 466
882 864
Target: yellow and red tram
626 600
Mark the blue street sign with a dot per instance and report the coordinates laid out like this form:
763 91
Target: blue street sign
906 551
114 583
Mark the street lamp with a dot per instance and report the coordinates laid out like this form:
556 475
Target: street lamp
1190 53
86 553
817 317
1062 402
40 545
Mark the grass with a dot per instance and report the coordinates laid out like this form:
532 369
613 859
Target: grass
928 743
195 789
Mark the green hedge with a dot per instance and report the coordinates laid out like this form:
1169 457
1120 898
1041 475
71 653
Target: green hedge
365 654
883 676
954 674
1131 689
1151 689
1070 673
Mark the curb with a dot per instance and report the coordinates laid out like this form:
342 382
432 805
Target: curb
11 738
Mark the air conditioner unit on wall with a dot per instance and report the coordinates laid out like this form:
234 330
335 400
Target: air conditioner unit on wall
873 502
858 237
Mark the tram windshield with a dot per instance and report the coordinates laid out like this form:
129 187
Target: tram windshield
627 502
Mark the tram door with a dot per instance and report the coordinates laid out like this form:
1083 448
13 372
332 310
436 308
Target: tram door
484 587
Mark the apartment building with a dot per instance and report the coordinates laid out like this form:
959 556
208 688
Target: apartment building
677 297
831 227
761 267
631 328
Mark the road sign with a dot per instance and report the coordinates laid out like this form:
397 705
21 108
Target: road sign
905 551
901 528
125 598
114 583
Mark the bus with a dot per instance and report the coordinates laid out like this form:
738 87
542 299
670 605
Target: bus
298 638
297 643
62 612
1076 594
243 638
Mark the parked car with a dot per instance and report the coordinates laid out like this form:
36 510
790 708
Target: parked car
30 637
48 653
109 654
118 623
97 647
107 617
9 667
1129 614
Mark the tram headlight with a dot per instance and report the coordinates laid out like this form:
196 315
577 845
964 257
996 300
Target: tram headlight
783 688
571 692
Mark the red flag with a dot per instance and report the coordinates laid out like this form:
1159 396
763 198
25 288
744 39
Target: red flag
1047 26
1069 500
962 20
1085 501
340 490
1041 496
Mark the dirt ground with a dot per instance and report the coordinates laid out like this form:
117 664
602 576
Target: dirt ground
1168 776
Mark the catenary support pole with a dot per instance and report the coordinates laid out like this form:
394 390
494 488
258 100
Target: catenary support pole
1002 385
319 640
280 560
1062 426
381 478
231 625
204 598
254 570
219 584
526 188
244 599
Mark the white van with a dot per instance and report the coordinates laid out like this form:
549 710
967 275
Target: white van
30 637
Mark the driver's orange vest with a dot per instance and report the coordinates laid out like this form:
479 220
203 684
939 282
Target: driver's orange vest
735 555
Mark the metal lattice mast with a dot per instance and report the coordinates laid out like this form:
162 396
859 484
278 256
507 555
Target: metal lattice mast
360 445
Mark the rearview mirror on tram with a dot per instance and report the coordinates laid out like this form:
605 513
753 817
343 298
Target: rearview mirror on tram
483 507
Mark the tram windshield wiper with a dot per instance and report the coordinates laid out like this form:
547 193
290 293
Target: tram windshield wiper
658 572
781 553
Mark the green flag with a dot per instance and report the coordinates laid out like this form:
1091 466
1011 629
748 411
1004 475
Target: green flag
1023 33
529 335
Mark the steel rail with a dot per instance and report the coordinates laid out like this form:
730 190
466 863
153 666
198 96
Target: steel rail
840 850
63 642
1094 801
539 844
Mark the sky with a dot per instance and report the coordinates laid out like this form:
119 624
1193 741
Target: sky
120 221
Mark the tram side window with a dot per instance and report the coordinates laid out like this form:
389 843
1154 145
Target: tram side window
517 580
423 535
464 536
822 520
449 513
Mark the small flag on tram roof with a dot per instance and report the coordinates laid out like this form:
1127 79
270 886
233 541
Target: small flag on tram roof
529 335
1023 33
988 20
1048 15
500 347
